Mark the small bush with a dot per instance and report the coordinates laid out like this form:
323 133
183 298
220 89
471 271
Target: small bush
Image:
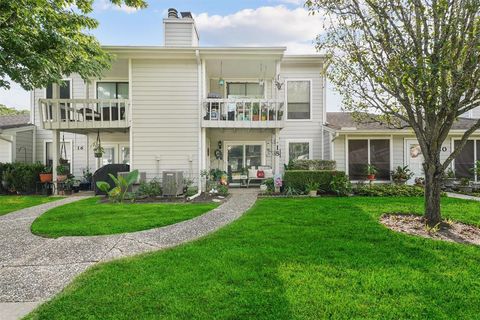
388 190
20 177
222 190
150 189
191 191
341 185
312 165
298 179
270 184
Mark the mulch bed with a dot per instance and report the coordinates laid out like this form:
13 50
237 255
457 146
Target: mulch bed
451 231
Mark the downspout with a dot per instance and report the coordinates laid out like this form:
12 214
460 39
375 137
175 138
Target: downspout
200 161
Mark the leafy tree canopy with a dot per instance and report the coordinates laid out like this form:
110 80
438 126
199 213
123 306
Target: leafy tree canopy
413 62
6 111
42 40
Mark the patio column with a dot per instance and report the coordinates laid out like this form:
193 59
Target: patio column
55 156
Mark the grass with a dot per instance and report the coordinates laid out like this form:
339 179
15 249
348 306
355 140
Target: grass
13 203
89 217
326 258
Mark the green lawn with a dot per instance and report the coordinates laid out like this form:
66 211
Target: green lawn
325 258
14 203
89 217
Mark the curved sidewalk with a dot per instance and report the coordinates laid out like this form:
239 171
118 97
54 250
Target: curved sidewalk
34 269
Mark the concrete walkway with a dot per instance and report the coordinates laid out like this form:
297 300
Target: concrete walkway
462 196
33 269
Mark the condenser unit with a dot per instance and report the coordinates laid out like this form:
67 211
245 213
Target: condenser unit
172 183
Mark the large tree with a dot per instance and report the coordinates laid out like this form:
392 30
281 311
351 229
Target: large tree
43 40
414 63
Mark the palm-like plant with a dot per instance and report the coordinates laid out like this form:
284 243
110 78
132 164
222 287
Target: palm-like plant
122 184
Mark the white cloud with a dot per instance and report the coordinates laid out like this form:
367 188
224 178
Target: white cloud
264 26
16 97
102 5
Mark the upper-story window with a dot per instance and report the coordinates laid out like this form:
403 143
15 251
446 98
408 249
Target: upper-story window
112 90
298 100
245 90
64 90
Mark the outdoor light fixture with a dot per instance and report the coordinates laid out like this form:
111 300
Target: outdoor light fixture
221 82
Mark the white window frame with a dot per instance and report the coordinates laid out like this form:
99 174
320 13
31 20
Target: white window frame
286 99
227 143
475 139
347 164
110 80
63 79
287 147
227 81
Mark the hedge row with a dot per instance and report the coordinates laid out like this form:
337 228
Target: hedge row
312 165
298 179
20 177
388 190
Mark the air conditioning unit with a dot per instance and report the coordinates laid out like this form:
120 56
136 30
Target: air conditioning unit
172 183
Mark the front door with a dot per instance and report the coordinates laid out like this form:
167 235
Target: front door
414 159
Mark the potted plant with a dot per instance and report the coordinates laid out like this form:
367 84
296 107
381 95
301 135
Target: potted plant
62 161
371 172
271 114
312 188
449 179
62 173
68 185
98 150
401 175
465 185
46 175
255 112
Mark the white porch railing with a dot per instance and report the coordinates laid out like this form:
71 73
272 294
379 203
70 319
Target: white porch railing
65 114
242 113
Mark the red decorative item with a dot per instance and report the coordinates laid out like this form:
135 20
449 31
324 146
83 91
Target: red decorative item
260 174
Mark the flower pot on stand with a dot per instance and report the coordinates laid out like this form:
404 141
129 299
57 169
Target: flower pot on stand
46 177
371 177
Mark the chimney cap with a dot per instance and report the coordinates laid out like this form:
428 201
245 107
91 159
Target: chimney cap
172 13
186 14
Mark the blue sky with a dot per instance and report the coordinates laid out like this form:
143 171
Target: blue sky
228 23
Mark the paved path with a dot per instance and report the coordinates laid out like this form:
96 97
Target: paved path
34 269
462 196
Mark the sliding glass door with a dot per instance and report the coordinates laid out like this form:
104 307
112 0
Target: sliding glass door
242 156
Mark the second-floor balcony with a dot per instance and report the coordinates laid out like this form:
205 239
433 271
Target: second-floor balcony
83 114
242 113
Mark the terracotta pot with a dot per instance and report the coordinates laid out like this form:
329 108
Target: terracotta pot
255 117
371 177
46 177
61 178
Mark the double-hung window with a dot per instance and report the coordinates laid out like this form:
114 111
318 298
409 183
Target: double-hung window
362 152
299 150
299 100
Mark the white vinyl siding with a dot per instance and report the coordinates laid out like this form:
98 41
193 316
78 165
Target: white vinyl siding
304 129
165 116
24 146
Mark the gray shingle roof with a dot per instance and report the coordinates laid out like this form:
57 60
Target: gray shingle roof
339 120
14 121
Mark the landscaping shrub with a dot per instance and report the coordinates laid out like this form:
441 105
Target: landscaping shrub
149 189
388 190
311 165
298 179
341 185
20 177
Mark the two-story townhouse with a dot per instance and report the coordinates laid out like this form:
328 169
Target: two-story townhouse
185 107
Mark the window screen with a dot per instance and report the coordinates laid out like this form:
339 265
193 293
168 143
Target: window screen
357 159
380 158
465 161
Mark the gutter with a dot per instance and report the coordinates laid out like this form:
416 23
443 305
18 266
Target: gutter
200 162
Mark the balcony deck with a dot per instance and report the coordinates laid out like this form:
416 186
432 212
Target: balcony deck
242 113
77 115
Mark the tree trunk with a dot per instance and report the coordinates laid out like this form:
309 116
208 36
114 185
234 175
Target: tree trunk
433 191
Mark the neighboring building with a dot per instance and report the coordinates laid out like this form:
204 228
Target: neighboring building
356 144
189 108
16 139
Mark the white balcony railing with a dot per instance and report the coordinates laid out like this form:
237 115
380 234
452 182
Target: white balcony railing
242 113
72 114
